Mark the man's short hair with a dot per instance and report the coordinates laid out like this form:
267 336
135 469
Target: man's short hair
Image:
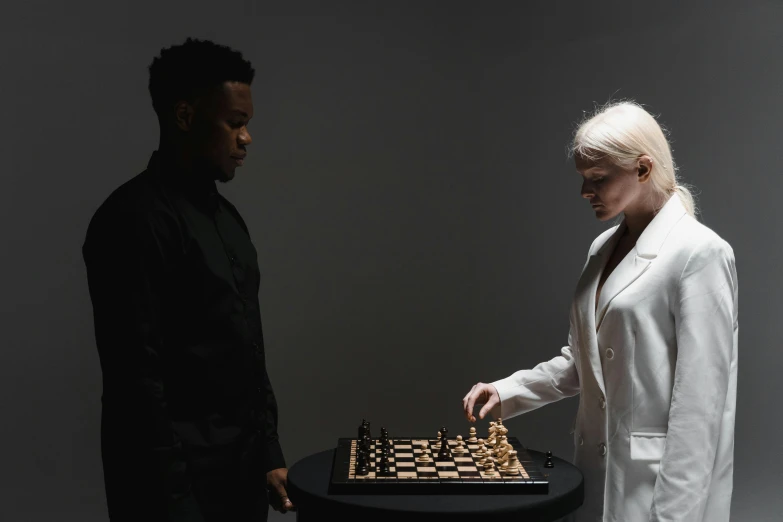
192 69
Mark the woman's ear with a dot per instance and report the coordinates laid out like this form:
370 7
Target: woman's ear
644 168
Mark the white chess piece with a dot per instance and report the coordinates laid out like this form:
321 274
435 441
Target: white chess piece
424 456
472 438
460 447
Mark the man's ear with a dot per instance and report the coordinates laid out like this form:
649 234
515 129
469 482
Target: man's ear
183 115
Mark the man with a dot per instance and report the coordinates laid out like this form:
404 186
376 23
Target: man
189 419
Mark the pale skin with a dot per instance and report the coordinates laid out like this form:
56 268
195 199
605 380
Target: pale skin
211 133
611 190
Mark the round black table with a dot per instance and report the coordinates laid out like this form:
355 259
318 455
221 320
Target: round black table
308 484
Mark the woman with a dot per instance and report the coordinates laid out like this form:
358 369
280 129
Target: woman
652 349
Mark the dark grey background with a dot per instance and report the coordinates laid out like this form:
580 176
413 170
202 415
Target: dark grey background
419 226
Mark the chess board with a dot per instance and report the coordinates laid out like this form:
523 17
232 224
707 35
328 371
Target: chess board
459 473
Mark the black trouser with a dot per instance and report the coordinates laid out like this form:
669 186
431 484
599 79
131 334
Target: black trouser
226 497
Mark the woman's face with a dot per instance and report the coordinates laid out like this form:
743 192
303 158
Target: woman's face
609 188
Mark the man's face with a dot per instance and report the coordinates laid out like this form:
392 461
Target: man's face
220 136
611 189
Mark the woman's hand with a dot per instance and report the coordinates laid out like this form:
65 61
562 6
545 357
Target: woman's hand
481 393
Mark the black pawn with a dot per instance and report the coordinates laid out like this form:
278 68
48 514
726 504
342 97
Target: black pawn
361 431
549 463
384 465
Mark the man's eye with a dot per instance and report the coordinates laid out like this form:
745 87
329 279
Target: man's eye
236 123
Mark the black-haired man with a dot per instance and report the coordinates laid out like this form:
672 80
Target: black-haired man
189 419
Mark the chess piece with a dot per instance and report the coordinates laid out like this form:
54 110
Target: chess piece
481 451
513 462
384 435
489 468
549 463
424 457
444 452
361 462
384 465
472 439
460 448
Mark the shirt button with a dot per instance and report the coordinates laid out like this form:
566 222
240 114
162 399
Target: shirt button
603 403
609 353
602 449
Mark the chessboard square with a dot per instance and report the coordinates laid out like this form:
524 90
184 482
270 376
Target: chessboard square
442 463
473 446
403 455
406 464
463 459
427 469
448 474
467 469
403 446
428 473
406 473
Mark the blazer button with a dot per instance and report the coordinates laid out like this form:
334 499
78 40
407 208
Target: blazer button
581 441
609 353
602 449
603 403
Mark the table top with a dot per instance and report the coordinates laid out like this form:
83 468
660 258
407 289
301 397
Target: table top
308 485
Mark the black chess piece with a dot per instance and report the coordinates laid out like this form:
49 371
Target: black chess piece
384 469
366 443
549 463
361 462
443 453
384 436
361 431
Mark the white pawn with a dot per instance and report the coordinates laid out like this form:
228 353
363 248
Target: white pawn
424 457
472 438
460 448
481 451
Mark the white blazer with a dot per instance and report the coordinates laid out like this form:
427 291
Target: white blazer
655 364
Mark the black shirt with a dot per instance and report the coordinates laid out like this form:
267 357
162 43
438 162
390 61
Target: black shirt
174 279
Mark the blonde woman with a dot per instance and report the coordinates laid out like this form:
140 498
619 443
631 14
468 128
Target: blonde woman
652 348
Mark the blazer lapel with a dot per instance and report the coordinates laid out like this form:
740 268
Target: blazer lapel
629 269
585 304
641 256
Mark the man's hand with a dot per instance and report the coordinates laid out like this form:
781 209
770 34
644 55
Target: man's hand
276 482
481 393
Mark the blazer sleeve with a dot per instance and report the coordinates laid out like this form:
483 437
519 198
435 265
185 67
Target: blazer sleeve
705 314
125 266
547 382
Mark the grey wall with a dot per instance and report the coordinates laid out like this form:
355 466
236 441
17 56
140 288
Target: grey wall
418 224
